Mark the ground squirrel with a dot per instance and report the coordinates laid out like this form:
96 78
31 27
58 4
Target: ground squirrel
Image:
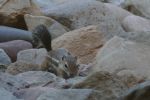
59 61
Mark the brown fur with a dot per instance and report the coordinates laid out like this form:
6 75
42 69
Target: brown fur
65 64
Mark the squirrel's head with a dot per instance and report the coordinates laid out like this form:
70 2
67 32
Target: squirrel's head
68 64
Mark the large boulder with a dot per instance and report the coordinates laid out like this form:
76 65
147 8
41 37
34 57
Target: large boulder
12 12
75 14
82 43
110 86
4 58
138 7
12 49
125 58
135 23
55 28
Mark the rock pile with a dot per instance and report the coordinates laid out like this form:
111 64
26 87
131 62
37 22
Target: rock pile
109 38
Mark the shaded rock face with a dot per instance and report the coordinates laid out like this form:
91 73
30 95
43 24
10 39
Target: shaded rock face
105 83
139 92
83 43
124 58
54 28
138 7
75 14
135 23
4 58
13 47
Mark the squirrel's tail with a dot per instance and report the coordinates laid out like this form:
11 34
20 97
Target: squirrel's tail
42 37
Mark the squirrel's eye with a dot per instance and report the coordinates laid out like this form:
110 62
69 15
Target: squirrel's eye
66 66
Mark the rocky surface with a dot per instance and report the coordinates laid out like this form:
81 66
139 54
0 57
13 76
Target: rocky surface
110 38
124 58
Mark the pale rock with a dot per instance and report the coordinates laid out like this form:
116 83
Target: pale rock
124 58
